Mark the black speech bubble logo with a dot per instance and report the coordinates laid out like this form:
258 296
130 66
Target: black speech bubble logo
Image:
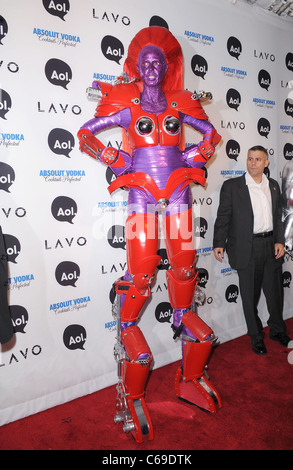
158 21
288 151
289 61
264 79
267 172
3 28
61 142
74 337
19 317
116 237
58 72
58 8
7 176
203 277
67 273
263 127
199 66
200 227
163 312
112 48
288 107
164 264
110 176
64 209
234 47
233 149
12 246
5 103
286 278
233 98
232 293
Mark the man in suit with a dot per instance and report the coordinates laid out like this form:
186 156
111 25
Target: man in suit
249 227
6 325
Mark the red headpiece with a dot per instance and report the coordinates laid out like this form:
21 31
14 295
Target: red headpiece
162 38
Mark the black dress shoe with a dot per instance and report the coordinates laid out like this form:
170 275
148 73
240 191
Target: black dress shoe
258 347
282 338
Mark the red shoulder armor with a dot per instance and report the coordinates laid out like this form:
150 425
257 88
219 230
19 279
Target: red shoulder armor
186 102
116 97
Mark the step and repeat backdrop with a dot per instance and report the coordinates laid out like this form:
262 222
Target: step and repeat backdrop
64 233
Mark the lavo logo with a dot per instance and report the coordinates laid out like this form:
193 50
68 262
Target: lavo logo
23 354
112 17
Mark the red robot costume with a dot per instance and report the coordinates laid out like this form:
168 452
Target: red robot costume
157 169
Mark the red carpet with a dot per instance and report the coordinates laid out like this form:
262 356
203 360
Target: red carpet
257 413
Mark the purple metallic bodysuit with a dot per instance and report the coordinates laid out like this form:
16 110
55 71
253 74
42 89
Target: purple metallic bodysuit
157 161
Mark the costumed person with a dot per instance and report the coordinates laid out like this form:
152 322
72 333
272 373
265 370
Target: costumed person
249 226
287 205
157 169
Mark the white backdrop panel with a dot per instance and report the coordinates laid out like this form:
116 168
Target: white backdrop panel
56 211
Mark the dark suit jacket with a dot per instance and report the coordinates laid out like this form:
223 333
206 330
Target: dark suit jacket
6 325
233 228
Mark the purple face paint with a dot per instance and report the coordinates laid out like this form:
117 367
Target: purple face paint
152 67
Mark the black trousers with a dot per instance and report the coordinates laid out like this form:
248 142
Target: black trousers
263 272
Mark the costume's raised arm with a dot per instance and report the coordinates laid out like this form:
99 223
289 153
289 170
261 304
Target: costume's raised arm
198 154
192 114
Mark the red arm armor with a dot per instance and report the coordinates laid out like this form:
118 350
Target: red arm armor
95 149
89 144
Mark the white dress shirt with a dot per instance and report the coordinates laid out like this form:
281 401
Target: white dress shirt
261 202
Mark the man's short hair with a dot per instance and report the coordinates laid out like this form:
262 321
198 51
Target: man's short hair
259 148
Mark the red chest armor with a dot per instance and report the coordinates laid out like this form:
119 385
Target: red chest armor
148 129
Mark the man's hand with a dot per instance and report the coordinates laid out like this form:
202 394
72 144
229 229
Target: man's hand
219 254
279 250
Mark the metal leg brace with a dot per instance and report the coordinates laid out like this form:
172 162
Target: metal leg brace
133 359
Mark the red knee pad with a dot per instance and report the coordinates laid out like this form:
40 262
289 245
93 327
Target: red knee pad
196 325
181 293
